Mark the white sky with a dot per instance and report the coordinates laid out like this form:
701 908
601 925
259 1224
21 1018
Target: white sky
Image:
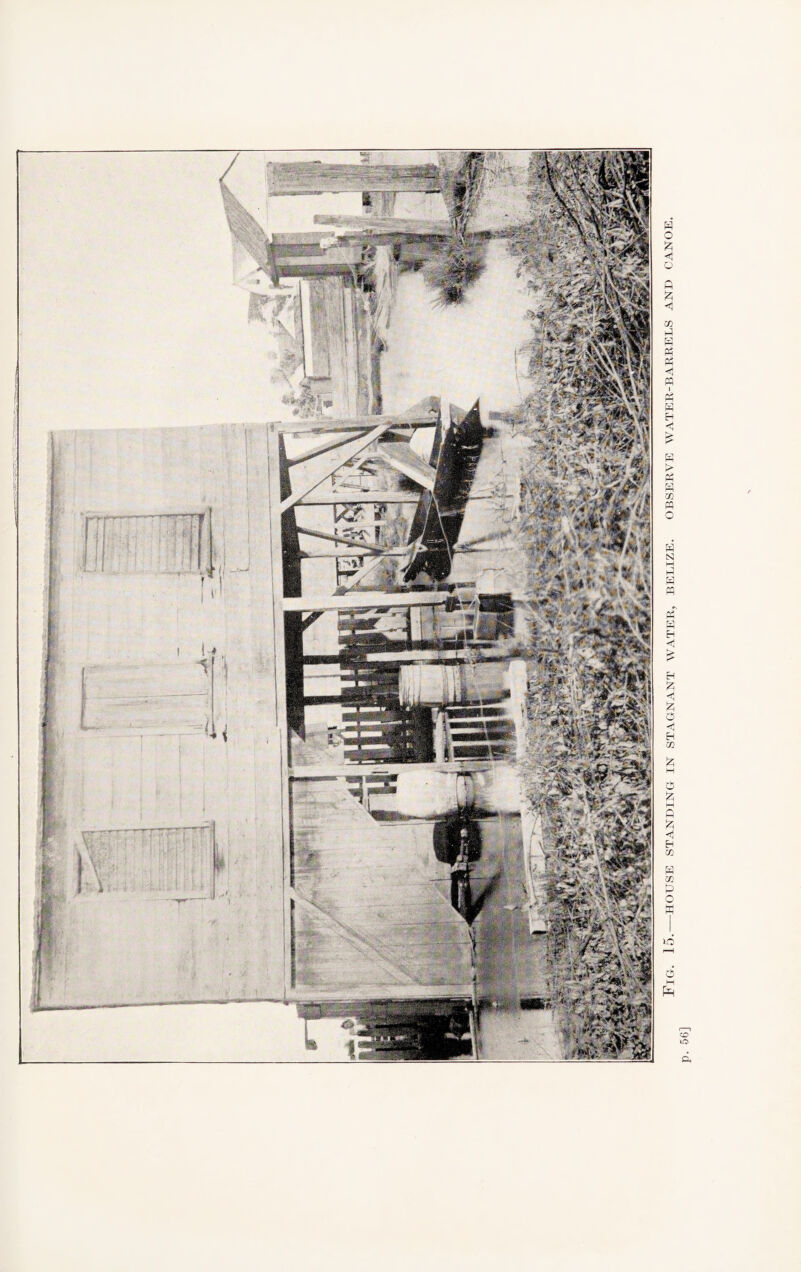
128 312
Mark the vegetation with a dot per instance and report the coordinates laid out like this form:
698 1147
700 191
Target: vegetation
455 266
459 261
586 521
303 401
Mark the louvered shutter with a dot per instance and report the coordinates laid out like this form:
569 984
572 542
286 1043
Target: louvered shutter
166 861
161 543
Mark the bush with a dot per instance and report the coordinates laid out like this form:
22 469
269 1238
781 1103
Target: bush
586 520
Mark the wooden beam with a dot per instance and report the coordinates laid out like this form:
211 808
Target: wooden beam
320 449
379 993
362 600
402 425
282 238
417 655
86 861
325 497
390 1009
387 224
302 269
300 253
316 772
371 549
371 238
314 177
370 948
360 550
272 266
401 457
439 737
256 478
434 655
344 456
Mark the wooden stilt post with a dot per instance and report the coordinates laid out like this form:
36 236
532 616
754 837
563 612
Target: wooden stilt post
321 772
321 498
362 600
326 178
403 423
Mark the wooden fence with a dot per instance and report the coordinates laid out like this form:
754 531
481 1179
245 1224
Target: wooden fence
376 729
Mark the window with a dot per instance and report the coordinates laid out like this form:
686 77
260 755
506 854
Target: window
162 543
164 861
163 698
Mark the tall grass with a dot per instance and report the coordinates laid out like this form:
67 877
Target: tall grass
459 261
586 523
454 268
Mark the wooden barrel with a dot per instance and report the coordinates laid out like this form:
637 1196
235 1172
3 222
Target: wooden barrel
431 794
444 684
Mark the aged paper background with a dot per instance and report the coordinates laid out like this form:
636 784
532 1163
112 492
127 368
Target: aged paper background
695 1165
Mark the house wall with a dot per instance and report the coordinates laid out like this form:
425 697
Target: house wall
381 883
103 949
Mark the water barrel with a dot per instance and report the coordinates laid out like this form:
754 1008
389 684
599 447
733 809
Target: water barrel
431 794
448 684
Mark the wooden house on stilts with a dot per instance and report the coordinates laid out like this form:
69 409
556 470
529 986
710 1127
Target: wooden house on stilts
263 686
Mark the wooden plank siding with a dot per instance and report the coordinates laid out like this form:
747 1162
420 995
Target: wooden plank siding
337 342
348 357
379 882
227 943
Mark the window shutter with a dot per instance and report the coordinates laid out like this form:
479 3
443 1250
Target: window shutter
165 861
162 543
166 697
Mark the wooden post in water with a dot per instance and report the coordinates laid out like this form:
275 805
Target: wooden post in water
327 178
